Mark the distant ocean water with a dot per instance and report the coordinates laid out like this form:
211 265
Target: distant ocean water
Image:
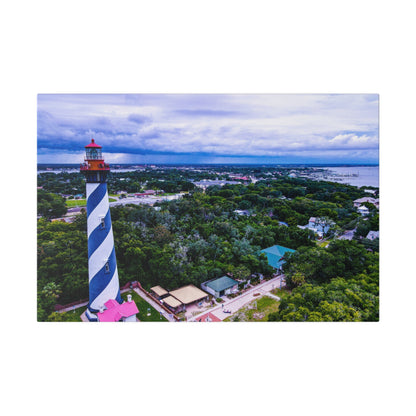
367 175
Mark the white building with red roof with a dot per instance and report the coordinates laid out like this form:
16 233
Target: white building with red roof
115 311
208 317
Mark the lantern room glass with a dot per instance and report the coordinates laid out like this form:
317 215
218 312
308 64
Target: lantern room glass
94 154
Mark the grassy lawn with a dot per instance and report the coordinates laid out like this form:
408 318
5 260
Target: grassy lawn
71 203
256 311
322 243
279 292
72 316
143 306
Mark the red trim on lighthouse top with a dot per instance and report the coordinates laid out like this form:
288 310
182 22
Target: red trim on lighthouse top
93 144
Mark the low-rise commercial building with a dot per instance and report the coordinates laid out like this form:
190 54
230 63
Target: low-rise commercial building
188 295
221 286
158 292
173 304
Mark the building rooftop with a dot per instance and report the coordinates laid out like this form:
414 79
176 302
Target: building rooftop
367 199
172 302
188 294
208 317
159 290
116 311
373 234
93 144
222 283
275 254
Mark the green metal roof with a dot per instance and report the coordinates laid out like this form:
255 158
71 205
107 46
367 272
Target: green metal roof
274 255
221 283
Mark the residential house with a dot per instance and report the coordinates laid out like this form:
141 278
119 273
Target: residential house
372 235
319 226
360 201
275 255
242 212
363 210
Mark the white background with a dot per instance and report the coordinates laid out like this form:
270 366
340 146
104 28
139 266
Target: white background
207 47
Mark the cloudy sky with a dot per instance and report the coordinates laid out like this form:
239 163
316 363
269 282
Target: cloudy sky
210 128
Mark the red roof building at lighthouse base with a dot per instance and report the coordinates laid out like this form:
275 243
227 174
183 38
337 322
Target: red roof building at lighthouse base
116 311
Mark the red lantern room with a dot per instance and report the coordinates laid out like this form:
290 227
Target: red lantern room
94 168
93 151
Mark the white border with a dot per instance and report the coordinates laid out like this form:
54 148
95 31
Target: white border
207 47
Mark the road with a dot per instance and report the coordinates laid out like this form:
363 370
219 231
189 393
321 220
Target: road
232 305
237 303
348 235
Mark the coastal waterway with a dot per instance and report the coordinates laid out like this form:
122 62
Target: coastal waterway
354 175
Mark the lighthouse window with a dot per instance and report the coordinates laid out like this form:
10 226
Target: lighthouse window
107 267
102 222
94 154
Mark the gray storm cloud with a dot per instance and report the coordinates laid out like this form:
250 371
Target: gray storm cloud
233 125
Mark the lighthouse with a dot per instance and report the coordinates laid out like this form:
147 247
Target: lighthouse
102 265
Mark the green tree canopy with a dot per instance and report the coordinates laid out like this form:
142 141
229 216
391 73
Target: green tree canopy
50 205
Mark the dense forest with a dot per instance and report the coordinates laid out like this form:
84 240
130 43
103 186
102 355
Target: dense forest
339 283
200 236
